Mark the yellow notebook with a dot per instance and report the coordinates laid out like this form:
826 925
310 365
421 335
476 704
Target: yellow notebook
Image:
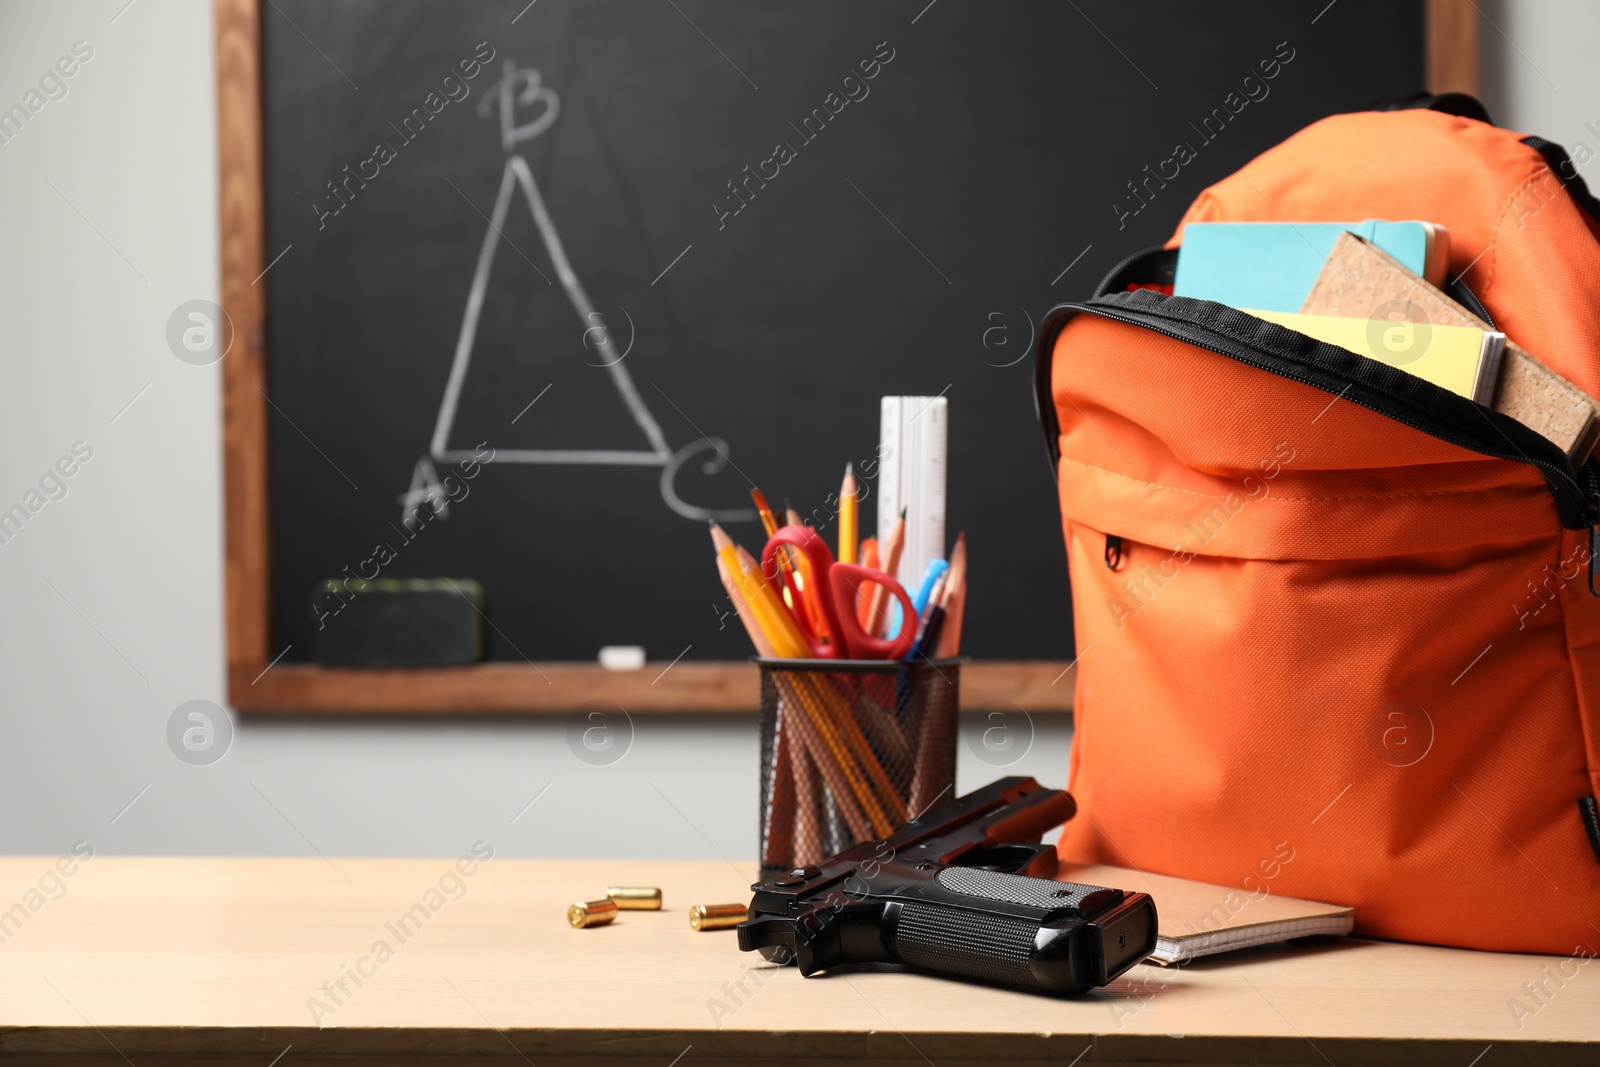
1462 359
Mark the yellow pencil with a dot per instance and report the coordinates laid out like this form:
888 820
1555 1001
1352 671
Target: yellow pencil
771 616
849 504
747 615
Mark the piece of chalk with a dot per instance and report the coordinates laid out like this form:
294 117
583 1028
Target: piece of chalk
622 657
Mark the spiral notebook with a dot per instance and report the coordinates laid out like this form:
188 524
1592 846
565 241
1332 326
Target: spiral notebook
1197 919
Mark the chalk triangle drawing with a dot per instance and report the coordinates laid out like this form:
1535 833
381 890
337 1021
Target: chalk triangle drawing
518 177
522 87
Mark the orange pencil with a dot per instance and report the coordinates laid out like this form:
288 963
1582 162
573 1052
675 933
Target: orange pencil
956 576
878 614
869 558
869 552
769 521
849 502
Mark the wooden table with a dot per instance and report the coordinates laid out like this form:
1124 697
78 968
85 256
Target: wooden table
223 961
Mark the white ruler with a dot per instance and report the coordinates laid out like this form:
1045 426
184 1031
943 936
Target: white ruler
913 454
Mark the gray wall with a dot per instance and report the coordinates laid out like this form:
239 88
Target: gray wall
112 594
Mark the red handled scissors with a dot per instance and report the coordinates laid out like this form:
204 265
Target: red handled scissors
836 587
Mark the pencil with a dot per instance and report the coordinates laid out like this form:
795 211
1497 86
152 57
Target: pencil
872 788
863 792
954 601
938 704
759 599
830 721
869 558
786 557
884 731
808 589
807 803
788 641
769 521
849 503
778 831
779 626
782 802
956 577
889 552
836 725
933 754
746 615
805 729
853 793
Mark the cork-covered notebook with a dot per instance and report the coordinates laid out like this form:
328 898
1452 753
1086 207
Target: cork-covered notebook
1360 281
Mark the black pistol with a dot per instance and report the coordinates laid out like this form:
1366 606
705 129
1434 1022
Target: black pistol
965 889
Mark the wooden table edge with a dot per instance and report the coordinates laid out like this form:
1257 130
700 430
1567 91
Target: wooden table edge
257 1045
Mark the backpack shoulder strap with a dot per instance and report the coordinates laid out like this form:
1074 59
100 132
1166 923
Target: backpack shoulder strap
1566 172
1459 104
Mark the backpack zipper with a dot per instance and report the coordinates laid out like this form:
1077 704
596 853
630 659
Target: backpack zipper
1305 360
1157 265
1591 473
1162 262
1114 554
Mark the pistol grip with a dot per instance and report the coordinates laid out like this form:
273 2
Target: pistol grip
1066 955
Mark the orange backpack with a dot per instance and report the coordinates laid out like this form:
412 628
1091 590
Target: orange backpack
1337 631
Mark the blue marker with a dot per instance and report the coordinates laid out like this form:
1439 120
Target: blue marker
919 601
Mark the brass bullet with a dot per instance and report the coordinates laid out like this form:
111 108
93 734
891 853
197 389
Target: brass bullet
591 913
635 897
717 916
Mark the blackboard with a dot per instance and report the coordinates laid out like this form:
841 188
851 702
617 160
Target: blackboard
768 216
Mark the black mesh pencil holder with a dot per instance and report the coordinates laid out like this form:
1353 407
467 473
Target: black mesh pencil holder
851 749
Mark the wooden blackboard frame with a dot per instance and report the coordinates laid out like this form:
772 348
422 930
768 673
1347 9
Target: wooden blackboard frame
257 682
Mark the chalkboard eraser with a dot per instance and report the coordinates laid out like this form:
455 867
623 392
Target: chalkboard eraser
622 657
412 622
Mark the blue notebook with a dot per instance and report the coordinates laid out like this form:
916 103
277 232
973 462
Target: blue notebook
1273 265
